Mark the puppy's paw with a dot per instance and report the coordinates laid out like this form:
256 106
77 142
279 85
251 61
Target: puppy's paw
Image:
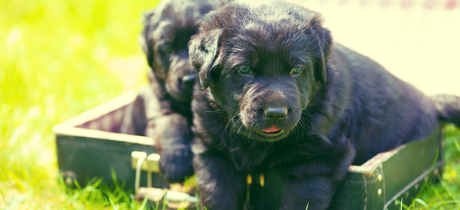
176 164
172 136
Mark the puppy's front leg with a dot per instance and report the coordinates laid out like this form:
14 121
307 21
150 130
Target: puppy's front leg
221 186
172 136
315 188
314 191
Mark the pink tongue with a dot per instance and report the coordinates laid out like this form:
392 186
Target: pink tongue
272 129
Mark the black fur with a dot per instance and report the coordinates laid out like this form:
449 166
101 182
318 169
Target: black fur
342 108
163 111
448 107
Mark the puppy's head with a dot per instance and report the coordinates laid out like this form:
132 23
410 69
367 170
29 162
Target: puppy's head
167 30
261 65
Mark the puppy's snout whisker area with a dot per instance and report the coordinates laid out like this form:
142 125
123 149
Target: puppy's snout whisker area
276 114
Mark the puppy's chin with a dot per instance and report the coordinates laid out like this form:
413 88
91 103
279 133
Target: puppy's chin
256 127
261 136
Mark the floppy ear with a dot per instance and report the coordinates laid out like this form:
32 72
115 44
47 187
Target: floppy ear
146 39
204 54
324 45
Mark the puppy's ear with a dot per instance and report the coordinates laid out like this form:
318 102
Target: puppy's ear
146 39
324 44
204 54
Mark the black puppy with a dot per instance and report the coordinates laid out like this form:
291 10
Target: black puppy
279 96
163 111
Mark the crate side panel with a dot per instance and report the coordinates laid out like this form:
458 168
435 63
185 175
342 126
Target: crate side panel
408 193
406 165
88 158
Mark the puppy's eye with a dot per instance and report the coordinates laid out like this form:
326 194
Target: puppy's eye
296 71
245 70
169 50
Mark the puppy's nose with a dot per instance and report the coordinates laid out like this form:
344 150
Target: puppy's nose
189 79
275 114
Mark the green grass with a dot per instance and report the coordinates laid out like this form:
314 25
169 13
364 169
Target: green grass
445 194
60 58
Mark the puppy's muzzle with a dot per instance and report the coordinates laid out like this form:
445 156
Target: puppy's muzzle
275 114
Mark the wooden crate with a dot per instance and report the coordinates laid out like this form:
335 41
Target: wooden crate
90 145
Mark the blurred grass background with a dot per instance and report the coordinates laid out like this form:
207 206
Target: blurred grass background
60 58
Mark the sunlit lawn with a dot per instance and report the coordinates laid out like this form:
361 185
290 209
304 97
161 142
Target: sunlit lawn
60 58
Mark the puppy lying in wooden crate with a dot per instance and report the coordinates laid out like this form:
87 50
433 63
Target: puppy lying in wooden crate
277 95
91 145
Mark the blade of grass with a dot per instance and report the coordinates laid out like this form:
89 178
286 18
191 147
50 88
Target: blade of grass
144 203
164 203
420 201
197 200
401 204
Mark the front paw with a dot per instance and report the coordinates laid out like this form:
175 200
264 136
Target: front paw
172 136
175 165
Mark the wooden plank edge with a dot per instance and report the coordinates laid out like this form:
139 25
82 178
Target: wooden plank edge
373 163
103 135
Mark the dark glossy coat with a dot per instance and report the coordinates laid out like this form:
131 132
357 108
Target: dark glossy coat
163 111
342 107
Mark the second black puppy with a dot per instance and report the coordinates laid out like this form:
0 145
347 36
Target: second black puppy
163 111
278 96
